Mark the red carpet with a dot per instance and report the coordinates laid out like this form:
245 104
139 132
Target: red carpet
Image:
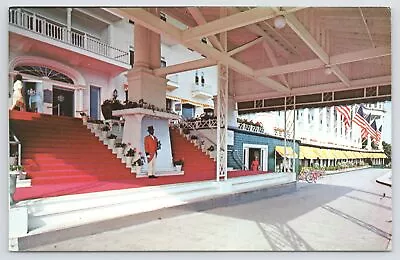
62 157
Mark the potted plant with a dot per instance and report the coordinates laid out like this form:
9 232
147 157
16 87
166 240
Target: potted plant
178 165
186 132
108 106
104 131
84 118
96 125
138 163
120 147
111 140
129 155
202 145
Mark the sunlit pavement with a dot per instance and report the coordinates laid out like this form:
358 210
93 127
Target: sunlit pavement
342 212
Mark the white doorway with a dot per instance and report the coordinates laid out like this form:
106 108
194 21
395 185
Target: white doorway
252 150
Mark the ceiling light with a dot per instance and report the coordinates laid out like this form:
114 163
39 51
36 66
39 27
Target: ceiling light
279 22
328 71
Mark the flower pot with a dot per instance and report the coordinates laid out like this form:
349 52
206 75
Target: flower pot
120 152
84 120
178 168
104 135
128 160
89 126
111 143
22 176
138 170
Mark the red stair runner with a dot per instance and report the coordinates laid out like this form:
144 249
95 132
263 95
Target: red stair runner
62 157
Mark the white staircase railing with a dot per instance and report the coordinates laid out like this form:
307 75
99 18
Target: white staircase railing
51 29
15 141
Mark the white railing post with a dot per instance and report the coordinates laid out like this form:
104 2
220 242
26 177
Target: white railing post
34 23
85 43
43 24
19 153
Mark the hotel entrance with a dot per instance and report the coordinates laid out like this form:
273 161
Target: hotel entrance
63 101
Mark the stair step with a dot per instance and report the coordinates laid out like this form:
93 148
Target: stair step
79 178
63 150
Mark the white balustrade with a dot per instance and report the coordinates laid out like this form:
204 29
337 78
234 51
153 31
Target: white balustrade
53 30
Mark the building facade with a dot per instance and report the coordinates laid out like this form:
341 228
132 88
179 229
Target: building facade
72 59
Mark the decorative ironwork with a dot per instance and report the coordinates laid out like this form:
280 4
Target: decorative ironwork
200 124
44 72
252 128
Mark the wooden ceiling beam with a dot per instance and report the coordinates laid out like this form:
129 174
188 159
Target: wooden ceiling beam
303 33
200 20
349 57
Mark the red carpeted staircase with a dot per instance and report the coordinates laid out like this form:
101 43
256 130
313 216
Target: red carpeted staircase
196 163
62 157
57 150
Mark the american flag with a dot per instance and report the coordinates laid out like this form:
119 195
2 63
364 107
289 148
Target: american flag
364 134
379 134
345 111
374 136
370 130
359 118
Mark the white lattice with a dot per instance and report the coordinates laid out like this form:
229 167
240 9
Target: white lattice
222 121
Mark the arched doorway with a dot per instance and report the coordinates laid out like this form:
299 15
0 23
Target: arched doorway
50 87
61 98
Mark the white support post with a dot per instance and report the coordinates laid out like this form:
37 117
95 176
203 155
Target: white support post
222 111
294 134
222 122
285 134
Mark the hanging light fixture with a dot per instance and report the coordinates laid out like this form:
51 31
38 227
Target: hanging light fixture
279 22
328 70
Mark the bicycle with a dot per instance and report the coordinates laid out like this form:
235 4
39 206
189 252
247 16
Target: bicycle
310 175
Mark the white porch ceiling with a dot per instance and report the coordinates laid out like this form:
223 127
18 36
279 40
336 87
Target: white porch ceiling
279 62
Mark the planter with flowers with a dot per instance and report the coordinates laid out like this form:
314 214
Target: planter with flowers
94 125
202 145
129 156
111 140
120 147
138 162
108 106
104 131
84 118
186 132
178 165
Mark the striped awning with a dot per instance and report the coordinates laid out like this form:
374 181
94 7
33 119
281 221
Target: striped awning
307 152
323 153
289 151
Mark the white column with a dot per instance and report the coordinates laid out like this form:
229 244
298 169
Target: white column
69 24
324 131
369 146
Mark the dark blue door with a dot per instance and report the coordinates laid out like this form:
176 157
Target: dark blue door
94 102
